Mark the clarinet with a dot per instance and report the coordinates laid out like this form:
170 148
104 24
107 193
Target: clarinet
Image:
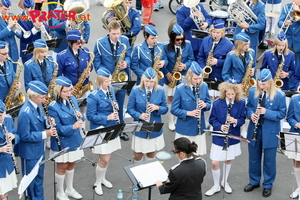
12 153
75 113
256 123
147 105
51 126
113 104
228 124
198 107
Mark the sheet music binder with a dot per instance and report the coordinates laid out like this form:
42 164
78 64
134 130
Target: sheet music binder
126 85
14 111
212 84
51 44
290 141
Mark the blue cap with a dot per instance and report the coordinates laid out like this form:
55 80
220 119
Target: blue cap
28 3
177 29
38 87
109 17
231 80
40 43
281 36
3 45
242 36
218 23
64 81
74 35
128 0
150 73
103 72
196 69
2 107
151 30
265 75
6 3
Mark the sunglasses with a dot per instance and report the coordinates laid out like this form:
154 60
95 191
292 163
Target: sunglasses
175 152
178 39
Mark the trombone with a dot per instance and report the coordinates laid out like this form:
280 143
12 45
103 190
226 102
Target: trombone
294 14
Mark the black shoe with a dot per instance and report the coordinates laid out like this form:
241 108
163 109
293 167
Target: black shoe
250 187
124 137
267 192
263 46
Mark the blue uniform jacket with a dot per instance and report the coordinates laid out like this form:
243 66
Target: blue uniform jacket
293 114
33 72
220 52
68 65
64 119
30 128
99 106
137 105
276 110
5 158
270 61
184 100
187 58
141 60
218 118
134 17
9 76
187 23
234 66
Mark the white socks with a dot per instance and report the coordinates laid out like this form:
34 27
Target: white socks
297 176
216 177
69 179
59 183
100 175
226 173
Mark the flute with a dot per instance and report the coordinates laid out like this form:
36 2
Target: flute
75 113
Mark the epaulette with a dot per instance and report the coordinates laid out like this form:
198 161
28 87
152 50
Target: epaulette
27 109
124 37
62 52
179 7
28 62
52 103
160 87
135 87
174 167
8 116
280 91
94 92
295 95
187 41
181 84
231 52
166 43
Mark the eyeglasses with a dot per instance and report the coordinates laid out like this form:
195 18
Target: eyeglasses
4 54
175 152
178 39
68 91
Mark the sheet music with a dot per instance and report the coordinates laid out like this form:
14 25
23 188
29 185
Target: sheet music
100 138
88 141
148 174
290 142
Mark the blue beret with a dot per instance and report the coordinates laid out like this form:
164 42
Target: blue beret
150 73
196 69
28 3
3 45
6 3
265 75
177 29
103 72
218 23
281 36
64 81
38 87
242 36
74 35
231 80
40 43
2 107
151 30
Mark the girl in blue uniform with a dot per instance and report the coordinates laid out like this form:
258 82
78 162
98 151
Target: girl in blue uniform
101 114
227 115
68 130
8 178
190 114
147 103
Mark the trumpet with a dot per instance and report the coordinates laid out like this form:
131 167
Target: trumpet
26 34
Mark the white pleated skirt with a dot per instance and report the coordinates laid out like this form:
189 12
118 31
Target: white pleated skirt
292 155
273 7
71 156
8 183
217 154
200 140
108 148
141 145
169 91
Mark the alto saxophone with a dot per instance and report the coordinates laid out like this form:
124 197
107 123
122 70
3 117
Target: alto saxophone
176 75
247 81
207 69
11 100
277 79
80 89
49 96
160 75
118 76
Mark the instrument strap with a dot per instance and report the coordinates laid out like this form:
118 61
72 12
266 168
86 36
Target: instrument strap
3 69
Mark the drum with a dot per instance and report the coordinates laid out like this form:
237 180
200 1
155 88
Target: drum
199 34
219 14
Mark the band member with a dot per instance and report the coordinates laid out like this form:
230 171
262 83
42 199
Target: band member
100 113
38 68
175 49
108 53
191 18
258 9
272 6
147 103
148 6
185 178
8 178
190 101
280 56
8 31
227 115
265 115
238 60
68 130
148 54
32 129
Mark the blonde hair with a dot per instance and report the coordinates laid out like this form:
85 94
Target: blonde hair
113 25
277 42
37 51
224 87
143 78
239 44
212 28
189 76
31 94
100 79
56 92
271 90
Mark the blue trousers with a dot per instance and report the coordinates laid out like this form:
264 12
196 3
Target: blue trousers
120 97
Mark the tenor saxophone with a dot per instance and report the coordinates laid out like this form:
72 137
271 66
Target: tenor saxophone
11 100
80 89
160 75
277 79
118 76
247 81
176 75
207 69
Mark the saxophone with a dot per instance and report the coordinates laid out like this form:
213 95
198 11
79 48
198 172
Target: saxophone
80 90
176 75
51 85
247 81
11 100
207 69
277 79
118 76
160 75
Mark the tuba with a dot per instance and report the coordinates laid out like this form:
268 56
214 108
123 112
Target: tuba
240 12
79 6
117 12
192 4
118 76
247 81
277 79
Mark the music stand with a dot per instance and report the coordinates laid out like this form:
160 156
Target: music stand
51 44
290 141
82 102
126 85
14 111
157 173
212 83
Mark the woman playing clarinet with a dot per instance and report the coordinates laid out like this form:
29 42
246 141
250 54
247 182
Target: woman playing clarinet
65 111
227 115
